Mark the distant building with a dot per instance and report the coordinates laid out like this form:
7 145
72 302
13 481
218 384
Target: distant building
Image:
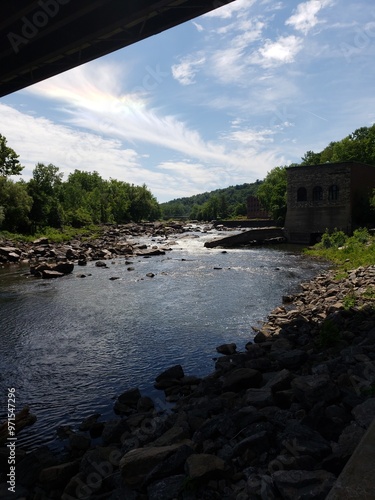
327 196
255 209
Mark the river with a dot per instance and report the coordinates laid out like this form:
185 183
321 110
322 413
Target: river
70 346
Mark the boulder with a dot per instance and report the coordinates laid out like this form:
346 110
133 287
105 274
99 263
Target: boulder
166 489
295 484
226 348
136 464
241 378
204 466
174 372
310 389
63 267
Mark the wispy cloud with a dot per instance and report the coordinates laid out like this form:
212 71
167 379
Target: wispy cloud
305 16
185 71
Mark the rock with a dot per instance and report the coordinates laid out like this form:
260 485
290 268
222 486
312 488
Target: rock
290 359
130 397
136 464
364 413
226 348
48 274
59 475
204 466
174 464
113 431
175 372
280 381
63 267
29 468
259 397
242 378
100 263
295 484
252 446
41 241
150 275
310 389
79 442
166 489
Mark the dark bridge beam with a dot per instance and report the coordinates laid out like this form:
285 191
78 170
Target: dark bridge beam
42 38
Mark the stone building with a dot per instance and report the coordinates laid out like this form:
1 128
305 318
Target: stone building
255 209
327 196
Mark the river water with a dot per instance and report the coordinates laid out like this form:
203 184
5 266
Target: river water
70 346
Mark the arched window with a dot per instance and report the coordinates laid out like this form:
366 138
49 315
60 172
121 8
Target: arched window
333 192
301 194
317 193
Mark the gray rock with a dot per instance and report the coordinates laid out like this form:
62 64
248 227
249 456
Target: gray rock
226 349
174 372
242 378
166 489
310 389
304 485
259 397
204 466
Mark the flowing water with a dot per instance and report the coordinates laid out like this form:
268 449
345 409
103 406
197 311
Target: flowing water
70 346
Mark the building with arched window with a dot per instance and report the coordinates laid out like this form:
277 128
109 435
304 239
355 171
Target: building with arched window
328 196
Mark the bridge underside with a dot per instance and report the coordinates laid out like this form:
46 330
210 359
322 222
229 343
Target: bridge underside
42 38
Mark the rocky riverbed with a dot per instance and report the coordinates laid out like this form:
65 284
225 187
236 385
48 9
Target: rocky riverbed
278 418
114 241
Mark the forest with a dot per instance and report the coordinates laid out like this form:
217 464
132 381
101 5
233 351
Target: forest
84 198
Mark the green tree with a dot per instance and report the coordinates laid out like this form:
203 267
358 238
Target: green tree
9 163
16 205
272 193
44 188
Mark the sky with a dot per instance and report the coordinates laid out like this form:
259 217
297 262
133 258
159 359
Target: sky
217 101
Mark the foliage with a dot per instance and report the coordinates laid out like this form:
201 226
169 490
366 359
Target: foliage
357 250
336 239
9 163
85 198
224 203
16 205
272 194
349 301
357 146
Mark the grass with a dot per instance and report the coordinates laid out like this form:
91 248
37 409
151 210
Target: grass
56 235
345 252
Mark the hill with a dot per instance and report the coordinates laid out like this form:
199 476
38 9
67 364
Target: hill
217 204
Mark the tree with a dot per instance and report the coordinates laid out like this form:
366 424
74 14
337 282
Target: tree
9 163
272 194
44 189
16 204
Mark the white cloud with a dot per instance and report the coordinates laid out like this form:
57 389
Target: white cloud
305 16
227 11
282 51
185 71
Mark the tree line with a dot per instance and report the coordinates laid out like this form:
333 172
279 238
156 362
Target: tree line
358 146
224 203
84 198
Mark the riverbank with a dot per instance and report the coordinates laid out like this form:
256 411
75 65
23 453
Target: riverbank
277 418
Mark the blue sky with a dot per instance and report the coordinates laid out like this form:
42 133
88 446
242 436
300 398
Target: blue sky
217 101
